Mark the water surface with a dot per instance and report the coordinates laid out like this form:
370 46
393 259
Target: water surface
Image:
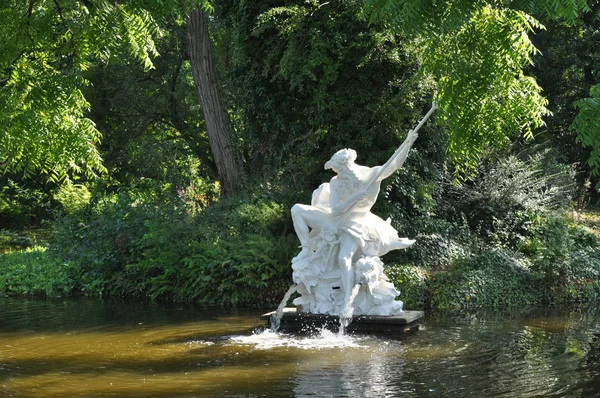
86 348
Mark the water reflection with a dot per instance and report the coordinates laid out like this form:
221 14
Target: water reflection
376 371
89 348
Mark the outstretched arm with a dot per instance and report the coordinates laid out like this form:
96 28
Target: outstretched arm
398 158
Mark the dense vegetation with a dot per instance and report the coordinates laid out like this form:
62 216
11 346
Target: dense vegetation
112 181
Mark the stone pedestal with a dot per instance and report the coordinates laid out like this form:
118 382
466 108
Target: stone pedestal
293 321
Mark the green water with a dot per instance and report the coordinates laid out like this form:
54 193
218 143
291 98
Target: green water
89 348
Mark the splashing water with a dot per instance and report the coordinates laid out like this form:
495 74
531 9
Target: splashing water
323 339
346 315
276 317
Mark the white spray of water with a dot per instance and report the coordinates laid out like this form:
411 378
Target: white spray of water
346 314
322 340
276 317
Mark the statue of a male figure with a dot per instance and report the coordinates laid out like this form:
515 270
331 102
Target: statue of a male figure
344 205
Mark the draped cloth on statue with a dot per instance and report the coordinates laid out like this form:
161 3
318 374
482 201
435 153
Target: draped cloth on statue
375 236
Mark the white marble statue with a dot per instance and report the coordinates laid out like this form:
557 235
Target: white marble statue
342 240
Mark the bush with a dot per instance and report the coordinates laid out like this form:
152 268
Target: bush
411 281
566 257
34 272
102 238
24 204
72 197
227 253
583 281
493 278
503 198
438 243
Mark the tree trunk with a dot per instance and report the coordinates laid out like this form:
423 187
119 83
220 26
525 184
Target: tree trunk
218 126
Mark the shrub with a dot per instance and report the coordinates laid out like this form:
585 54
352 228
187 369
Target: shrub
34 272
411 281
24 203
504 197
566 257
227 253
102 238
583 281
438 243
72 197
494 278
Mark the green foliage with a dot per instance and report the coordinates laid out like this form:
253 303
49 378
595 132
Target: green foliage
504 197
583 281
525 259
551 246
72 197
153 136
249 270
9 240
33 272
476 50
21 205
483 95
416 16
310 78
304 78
411 281
587 125
40 134
566 69
47 46
490 279
227 253
566 257
102 238
557 262
438 243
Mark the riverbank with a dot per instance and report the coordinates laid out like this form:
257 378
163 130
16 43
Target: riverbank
560 263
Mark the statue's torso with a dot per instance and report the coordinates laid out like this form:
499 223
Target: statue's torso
344 186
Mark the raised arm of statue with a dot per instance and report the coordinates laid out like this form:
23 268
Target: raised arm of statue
398 158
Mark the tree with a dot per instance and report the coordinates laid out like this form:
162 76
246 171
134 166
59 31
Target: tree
307 78
567 68
46 48
153 132
587 125
218 125
587 122
476 50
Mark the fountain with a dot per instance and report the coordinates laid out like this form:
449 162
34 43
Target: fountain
338 273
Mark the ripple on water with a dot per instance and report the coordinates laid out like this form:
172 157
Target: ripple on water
83 348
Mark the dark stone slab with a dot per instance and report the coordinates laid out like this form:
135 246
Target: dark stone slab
293 321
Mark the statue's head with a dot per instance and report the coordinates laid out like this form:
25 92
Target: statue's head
343 157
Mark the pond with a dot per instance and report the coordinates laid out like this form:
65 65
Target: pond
84 348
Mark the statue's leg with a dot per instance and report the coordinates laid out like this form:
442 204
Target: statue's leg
306 217
348 247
